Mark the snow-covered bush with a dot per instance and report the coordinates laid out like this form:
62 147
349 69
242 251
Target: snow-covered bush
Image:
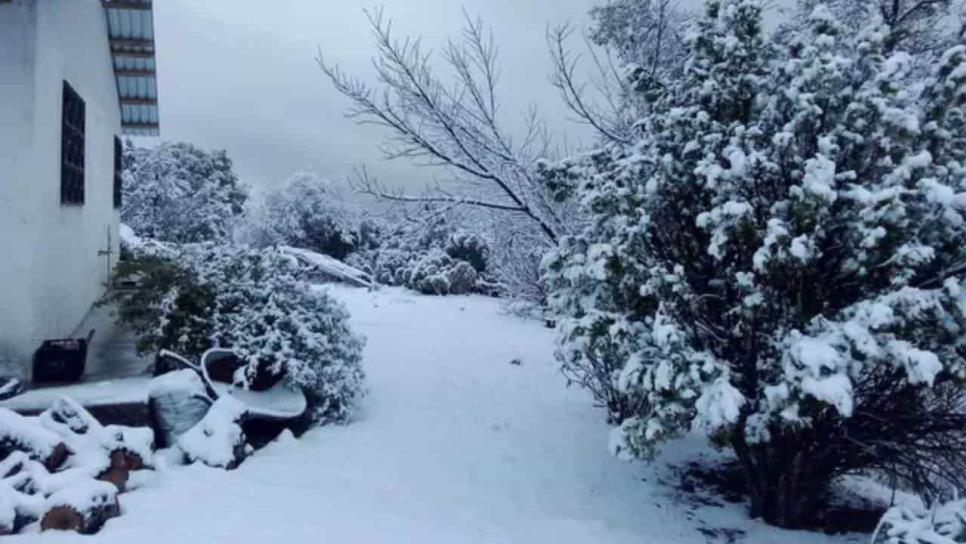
255 302
945 524
433 257
778 260
308 213
178 193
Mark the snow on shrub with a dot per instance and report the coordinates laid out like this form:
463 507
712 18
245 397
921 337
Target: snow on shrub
945 524
255 302
778 260
307 212
433 258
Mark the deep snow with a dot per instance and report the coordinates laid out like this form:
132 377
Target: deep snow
454 444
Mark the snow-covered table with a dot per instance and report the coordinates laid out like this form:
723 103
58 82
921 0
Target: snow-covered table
278 403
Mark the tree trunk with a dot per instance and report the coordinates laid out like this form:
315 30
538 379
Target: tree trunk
784 487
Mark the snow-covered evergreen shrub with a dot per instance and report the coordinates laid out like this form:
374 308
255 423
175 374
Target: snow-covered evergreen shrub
436 273
308 213
945 524
198 296
778 261
177 192
433 258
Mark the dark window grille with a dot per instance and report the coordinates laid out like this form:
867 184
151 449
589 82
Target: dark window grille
72 148
118 151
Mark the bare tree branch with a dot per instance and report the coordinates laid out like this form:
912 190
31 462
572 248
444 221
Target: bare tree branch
364 184
572 93
645 37
450 124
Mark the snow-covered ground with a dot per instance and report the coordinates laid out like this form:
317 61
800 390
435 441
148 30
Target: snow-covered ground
454 444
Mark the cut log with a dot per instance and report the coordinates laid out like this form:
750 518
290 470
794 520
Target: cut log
81 432
57 458
67 417
83 507
17 508
18 433
62 518
122 463
81 495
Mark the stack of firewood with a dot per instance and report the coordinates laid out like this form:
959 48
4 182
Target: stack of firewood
64 470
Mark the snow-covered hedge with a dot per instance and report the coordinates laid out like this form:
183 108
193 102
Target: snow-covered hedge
254 301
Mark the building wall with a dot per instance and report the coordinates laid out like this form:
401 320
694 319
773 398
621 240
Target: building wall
18 27
54 272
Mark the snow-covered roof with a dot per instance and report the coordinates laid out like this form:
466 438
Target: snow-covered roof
131 34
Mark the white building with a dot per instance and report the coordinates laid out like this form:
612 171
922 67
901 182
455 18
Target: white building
75 75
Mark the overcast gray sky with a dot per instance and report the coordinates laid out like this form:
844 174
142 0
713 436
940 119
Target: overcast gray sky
241 75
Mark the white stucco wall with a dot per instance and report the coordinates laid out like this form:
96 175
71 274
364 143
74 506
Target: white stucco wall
50 270
18 27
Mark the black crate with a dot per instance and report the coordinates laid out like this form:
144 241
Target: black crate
61 360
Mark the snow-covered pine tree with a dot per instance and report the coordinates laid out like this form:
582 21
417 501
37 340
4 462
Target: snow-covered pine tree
176 192
779 261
